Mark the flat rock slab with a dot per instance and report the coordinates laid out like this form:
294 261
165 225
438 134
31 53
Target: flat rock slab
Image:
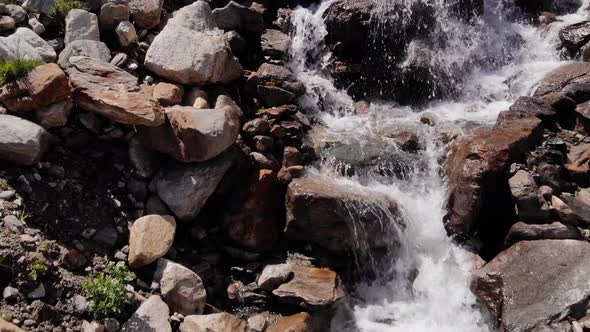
536 282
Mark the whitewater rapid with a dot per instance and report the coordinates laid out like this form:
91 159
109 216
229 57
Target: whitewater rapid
426 286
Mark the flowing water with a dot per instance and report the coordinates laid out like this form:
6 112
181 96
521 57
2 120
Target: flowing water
424 287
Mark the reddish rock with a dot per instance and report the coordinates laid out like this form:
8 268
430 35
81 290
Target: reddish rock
256 127
300 322
560 84
168 94
150 238
43 86
291 157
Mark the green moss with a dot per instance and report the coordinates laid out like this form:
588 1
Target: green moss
15 68
107 291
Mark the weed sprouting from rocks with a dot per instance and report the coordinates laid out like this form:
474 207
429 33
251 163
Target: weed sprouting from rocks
107 291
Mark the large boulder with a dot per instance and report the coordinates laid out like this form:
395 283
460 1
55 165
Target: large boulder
237 17
181 288
536 283
567 81
146 13
521 231
192 134
89 48
574 36
191 50
220 322
152 315
22 141
43 86
186 187
530 205
324 213
112 92
26 35
81 25
150 238
479 196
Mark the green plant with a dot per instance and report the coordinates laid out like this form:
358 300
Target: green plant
15 68
261 110
22 217
37 269
4 184
106 291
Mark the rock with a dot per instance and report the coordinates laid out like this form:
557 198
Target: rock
263 143
237 43
26 35
254 221
195 134
111 92
54 115
10 294
80 304
579 161
119 60
168 94
146 13
142 158
15 46
275 43
113 12
16 12
292 157
150 238
534 106
265 161
555 85
92 327
126 33
300 322
81 25
197 98
311 288
477 164
521 289
258 126
72 259
7 23
21 141
529 205
13 224
107 236
237 17
152 315
88 48
574 36
221 322
186 187
521 231
37 293
322 212
190 50
9 327
580 206
37 26
274 275
181 288
281 77
43 86
39 6
563 211
274 96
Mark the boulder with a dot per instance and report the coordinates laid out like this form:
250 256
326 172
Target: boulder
580 206
275 43
192 134
563 83
150 238
43 86
574 36
324 213
191 50
113 12
26 35
536 282
521 232
274 96
152 315
186 187
533 105
530 206
9 327
181 288
237 17
275 275
301 322
88 48
7 23
146 13
16 12
39 6
81 25
54 115
112 92
221 322
126 33
280 76
311 288
21 141
168 94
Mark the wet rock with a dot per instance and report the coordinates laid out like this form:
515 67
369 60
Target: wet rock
221 322
237 17
521 289
275 275
181 288
263 143
150 238
529 206
21 141
521 231
256 127
208 58
321 212
555 85
534 106
54 115
300 322
81 25
108 90
275 43
292 157
87 48
152 315
168 94
146 13
43 86
281 77
265 161
274 96
126 33
196 134
574 36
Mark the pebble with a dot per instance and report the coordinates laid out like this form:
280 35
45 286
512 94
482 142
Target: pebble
29 322
10 294
37 293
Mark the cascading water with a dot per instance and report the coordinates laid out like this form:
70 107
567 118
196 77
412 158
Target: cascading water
492 62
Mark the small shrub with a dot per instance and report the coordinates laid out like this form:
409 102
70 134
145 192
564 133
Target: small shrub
15 68
106 290
37 269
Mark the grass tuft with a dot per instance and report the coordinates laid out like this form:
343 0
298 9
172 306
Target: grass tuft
17 67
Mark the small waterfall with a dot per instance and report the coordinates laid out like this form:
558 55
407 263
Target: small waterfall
490 61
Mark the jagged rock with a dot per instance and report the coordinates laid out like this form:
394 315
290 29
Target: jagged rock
36 26
280 76
113 12
43 86
88 48
533 105
195 134
535 282
39 6
529 205
126 33
258 126
311 288
237 17
275 43
322 212
54 115
28 36
292 157
521 231
152 315
574 36
150 238
7 23
190 50
112 92
263 143
562 84
168 94
300 322
221 322
181 288
579 161
186 187
146 13
265 161
81 25
275 275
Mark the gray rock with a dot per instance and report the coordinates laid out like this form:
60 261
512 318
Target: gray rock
107 236
88 48
26 35
7 23
17 13
119 59
521 231
221 322
112 12
530 206
39 6
186 187
190 50
126 33
142 158
13 224
10 294
237 17
81 25
80 304
54 115
274 275
181 288
152 315
36 25
22 141
275 43
15 46
281 76
146 13
37 293
238 44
